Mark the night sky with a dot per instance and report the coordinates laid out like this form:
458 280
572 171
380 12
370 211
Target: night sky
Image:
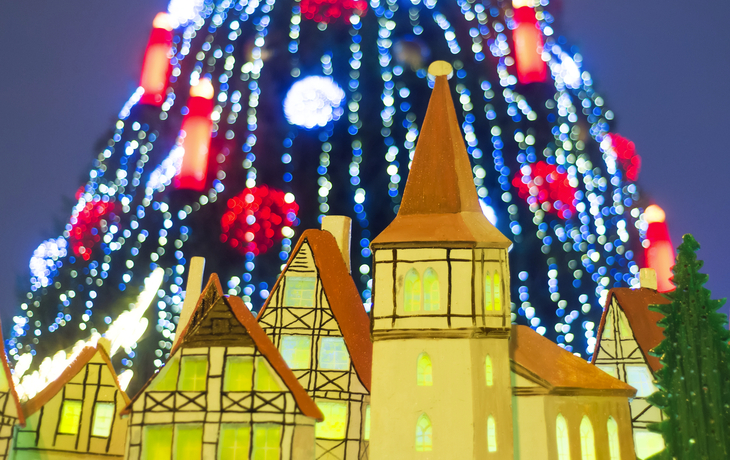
68 67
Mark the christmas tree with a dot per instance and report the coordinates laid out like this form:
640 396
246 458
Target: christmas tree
256 117
694 382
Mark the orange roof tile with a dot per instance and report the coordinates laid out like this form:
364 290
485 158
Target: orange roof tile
561 372
11 383
643 322
440 203
343 298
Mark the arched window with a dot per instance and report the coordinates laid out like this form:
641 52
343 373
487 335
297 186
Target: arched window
488 371
587 442
488 302
412 291
424 434
613 445
491 435
561 438
497 293
431 293
424 371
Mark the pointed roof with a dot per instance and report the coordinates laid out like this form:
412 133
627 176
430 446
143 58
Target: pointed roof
244 331
643 322
34 404
11 383
342 296
440 203
556 369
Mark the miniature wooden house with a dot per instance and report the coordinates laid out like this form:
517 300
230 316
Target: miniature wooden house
315 317
10 409
225 393
77 415
627 332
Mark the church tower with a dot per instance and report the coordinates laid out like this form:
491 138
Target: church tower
441 309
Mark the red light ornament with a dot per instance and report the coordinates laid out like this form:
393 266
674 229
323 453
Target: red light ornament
156 66
195 137
528 47
548 186
256 219
87 224
328 10
658 249
625 152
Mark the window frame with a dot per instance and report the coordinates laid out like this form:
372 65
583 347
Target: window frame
185 364
69 403
325 354
95 418
291 287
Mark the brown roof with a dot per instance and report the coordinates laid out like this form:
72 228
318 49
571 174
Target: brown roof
34 404
343 298
559 371
262 343
440 203
11 384
643 322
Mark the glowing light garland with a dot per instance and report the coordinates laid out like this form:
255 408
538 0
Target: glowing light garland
313 101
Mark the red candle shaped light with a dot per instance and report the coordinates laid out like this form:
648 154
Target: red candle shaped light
195 137
659 253
528 44
156 65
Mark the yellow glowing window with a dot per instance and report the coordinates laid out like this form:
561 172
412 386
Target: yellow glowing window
299 291
623 327
608 326
234 442
333 354
103 418
613 443
587 441
647 444
266 441
70 417
488 372
157 442
238 374
188 441
488 302
561 438
491 435
424 371
295 350
431 293
424 434
335 420
412 291
366 430
609 369
639 377
497 293
265 380
193 373
166 379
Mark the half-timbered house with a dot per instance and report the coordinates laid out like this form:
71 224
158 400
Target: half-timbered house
225 393
316 318
10 409
77 415
627 332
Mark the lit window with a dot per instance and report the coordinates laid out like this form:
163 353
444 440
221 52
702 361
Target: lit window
412 290
491 435
497 293
587 443
608 326
333 354
299 291
70 416
613 445
266 441
235 440
366 431
424 434
193 373
488 302
157 442
431 293
265 380
295 350
561 438
488 371
647 443
639 377
335 420
623 327
188 441
103 418
609 369
424 370
238 374
166 379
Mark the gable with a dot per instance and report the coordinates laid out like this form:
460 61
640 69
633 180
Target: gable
213 324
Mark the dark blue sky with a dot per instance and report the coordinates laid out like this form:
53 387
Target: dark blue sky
662 66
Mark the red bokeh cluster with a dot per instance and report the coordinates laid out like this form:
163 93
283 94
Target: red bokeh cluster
626 155
88 225
548 186
255 219
328 10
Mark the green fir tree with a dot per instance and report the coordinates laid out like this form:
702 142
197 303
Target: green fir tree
694 383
